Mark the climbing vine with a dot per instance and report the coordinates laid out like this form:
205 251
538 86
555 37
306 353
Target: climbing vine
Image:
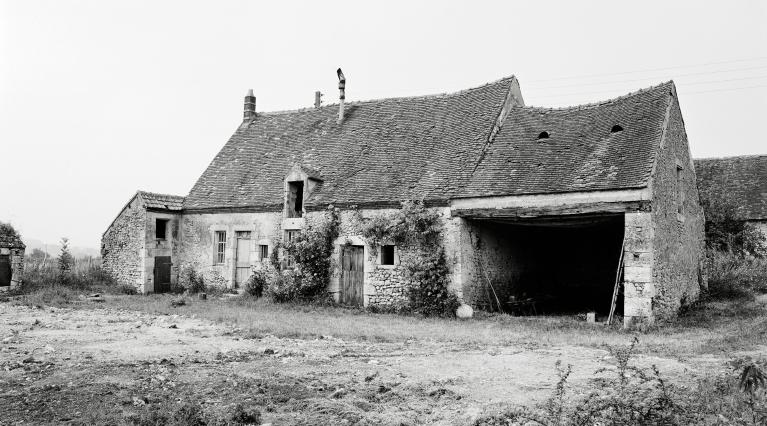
417 230
311 253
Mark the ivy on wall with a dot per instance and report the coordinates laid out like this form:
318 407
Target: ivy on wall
311 252
417 231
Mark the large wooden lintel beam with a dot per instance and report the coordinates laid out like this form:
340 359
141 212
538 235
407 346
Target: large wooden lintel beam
558 210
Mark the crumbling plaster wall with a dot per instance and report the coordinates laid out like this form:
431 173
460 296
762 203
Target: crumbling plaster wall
196 247
678 238
122 246
160 247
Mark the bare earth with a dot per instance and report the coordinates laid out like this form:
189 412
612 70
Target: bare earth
62 365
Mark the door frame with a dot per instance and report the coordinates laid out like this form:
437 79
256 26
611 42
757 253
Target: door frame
360 248
159 287
237 240
10 268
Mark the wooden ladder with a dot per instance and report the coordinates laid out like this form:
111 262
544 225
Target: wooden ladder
618 274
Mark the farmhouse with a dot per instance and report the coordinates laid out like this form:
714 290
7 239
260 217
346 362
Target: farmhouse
543 209
743 180
11 258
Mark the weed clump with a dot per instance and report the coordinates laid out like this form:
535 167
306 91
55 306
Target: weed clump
734 276
630 395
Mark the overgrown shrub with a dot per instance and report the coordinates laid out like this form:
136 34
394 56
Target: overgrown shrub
417 230
312 254
724 232
430 294
630 395
734 276
257 282
190 280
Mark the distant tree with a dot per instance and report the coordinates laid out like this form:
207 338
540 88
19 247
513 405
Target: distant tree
37 254
65 257
724 231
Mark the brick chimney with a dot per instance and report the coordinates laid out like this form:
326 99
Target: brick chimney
317 99
250 106
342 94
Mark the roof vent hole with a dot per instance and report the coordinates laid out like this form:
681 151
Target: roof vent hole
616 128
543 135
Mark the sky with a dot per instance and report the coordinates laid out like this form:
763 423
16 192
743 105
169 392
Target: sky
101 98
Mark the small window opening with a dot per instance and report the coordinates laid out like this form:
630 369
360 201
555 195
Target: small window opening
295 199
161 229
263 252
543 135
616 128
220 246
291 235
679 189
387 255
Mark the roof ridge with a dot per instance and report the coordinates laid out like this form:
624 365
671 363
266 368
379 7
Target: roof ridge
142 192
603 102
395 98
731 157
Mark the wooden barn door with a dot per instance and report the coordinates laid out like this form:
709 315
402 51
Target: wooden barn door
162 274
352 274
5 270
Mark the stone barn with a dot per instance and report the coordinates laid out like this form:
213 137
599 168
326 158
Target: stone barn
551 211
741 179
137 248
11 258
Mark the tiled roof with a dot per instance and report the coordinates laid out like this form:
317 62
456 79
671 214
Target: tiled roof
162 201
581 153
385 150
744 179
436 148
9 238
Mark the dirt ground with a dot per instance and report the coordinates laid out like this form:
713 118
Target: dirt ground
83 366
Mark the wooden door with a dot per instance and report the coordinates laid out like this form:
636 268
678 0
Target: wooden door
162 274
352 274
242 259
5 270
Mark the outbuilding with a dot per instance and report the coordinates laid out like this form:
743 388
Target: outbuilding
11 258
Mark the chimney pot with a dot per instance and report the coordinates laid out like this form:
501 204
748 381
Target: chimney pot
317 99
250 106
341 95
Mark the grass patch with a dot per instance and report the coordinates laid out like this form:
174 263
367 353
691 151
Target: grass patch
708 327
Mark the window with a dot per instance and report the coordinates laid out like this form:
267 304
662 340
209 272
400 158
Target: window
679 189
160 228
387 255
263 252
295 207
543 135
220 247
616 128
290 236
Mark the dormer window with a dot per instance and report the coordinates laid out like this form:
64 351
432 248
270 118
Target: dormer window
543 135
616 128
295 201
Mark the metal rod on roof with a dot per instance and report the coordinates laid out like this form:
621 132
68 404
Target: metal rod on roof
342 94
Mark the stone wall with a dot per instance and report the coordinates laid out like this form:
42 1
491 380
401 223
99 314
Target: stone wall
387 285
17 266
195 248
488 263
122 246
638 259
678 244
160 247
